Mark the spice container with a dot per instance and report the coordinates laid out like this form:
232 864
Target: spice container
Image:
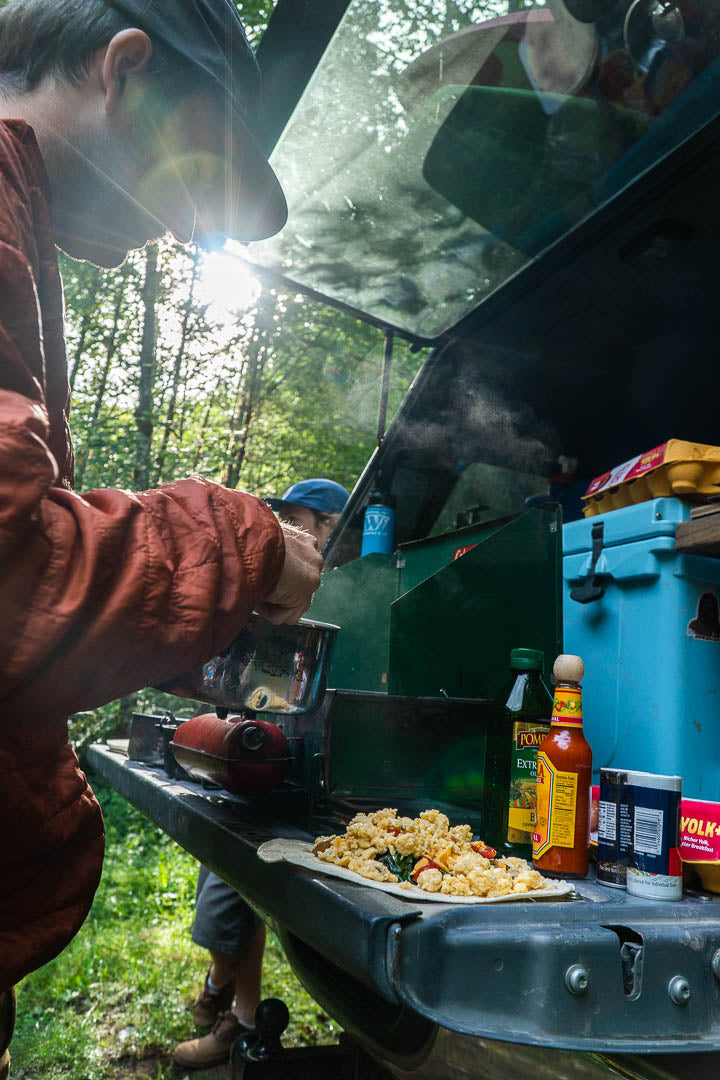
615 828
655 869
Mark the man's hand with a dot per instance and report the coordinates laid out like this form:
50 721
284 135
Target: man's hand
299 579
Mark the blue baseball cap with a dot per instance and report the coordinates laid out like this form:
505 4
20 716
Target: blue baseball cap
244 199
319 494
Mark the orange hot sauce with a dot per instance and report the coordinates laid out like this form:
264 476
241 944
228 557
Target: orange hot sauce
564 775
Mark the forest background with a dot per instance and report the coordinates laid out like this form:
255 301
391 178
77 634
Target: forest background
182 362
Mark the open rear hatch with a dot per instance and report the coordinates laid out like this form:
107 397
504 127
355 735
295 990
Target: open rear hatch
524 192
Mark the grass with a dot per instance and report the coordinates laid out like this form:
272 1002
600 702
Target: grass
120 993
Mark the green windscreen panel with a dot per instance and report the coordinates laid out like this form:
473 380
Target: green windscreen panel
357 596
421 558
453 633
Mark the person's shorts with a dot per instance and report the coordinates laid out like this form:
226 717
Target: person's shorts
223 921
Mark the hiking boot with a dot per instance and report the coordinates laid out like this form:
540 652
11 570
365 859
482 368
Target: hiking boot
208 1006
212 1049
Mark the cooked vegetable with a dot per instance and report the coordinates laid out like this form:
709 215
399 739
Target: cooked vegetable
425 864
399 865
384 847
485 850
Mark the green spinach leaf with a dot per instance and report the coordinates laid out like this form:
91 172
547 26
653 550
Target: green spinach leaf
400 865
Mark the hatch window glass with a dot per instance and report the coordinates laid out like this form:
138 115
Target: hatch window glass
440 145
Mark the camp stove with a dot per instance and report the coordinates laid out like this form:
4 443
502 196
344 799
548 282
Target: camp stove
367 749
357 750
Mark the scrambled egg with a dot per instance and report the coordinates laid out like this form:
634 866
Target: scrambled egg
447 860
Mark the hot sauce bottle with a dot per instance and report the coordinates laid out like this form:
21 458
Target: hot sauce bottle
564 775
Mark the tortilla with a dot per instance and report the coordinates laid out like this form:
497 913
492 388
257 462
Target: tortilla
299 853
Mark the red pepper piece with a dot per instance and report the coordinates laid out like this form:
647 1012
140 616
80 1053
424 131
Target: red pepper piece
429 865
484 850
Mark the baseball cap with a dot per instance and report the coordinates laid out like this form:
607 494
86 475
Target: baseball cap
244 201
319 494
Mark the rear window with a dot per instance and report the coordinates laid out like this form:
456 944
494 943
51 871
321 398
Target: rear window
441 146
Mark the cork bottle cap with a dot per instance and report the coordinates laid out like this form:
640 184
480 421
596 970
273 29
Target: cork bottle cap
568 668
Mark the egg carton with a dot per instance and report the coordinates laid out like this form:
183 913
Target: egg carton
684 469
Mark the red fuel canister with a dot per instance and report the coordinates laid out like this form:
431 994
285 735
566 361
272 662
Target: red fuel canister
244 756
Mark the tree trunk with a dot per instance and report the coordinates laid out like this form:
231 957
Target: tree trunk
89 311
104 374
249 390
177 370
84 327
205 425
144 417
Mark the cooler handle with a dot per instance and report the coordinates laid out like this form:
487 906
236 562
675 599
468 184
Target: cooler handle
591 587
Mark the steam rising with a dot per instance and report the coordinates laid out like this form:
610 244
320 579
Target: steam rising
476 420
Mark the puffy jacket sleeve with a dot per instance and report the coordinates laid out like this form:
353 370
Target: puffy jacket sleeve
108 592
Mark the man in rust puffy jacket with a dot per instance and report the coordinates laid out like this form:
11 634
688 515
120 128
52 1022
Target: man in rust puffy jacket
120 120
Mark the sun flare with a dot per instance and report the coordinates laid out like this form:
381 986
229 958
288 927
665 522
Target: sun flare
227 284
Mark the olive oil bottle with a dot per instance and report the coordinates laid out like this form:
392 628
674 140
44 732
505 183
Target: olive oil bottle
527 710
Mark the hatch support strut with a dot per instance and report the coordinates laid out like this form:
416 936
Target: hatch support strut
385 386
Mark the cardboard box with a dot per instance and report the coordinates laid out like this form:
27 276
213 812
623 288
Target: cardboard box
700 840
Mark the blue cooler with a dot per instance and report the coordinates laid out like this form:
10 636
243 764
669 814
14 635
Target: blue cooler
650 639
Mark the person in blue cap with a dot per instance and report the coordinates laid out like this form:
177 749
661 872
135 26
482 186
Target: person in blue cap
224 924
314 505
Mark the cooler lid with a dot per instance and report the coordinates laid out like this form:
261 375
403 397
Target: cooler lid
645 521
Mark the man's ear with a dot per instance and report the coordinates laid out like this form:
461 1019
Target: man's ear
127 55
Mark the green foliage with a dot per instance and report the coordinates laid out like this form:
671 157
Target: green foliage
255 15
120 993
277 391
400 865
114 719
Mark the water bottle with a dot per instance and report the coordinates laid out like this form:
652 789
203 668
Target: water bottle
379 525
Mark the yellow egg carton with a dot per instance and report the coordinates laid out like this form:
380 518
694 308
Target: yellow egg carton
683 469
